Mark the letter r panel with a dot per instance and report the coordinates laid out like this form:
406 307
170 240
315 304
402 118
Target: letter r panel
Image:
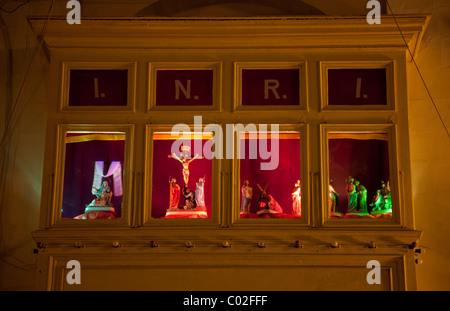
267 87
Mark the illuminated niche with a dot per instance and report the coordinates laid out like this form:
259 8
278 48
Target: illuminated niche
359 181
93 175
181 175
269 175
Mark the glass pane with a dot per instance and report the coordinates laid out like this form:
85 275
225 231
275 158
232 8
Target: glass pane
184 87
98 87
270 183
262 87
93 175
357 87
181 181
359 175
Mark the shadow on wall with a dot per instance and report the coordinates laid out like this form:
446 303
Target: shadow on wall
243 8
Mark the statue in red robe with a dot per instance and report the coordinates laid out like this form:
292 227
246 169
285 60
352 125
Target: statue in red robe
174 193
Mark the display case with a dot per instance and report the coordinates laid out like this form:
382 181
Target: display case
270 175
360 170
279 190
269 168
181 173
92 179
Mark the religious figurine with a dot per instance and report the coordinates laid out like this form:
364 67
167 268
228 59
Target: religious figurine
361 192
101 207
267 202
386 193
185 162
377 203
103 195
297 199
174 193
273 205
384 188
246 195
189 198
194 202
352 196
102 202
335 208
114 171
200 193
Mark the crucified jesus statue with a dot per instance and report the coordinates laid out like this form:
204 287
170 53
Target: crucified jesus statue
185 162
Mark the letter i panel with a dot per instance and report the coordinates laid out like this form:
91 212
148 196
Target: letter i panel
357 86
98 87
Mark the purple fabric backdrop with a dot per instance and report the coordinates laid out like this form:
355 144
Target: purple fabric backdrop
79 173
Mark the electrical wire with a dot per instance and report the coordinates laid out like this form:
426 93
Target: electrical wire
15 114
19 96
12 11
418 70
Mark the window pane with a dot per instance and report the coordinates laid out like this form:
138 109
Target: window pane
359 175
93 175
98 87
184 87
261 87
270 176
181 182
357 87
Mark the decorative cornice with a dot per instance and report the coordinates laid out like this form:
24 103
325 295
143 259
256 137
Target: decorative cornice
273 32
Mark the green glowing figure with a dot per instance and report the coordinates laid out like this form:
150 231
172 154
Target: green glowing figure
352 195
361 198
377 203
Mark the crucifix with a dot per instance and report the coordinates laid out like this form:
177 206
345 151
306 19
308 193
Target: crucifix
185 160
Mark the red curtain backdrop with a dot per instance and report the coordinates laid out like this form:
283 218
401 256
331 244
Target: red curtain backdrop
253 87
342 87
280 182
366 160
112 88
165 167
79 172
